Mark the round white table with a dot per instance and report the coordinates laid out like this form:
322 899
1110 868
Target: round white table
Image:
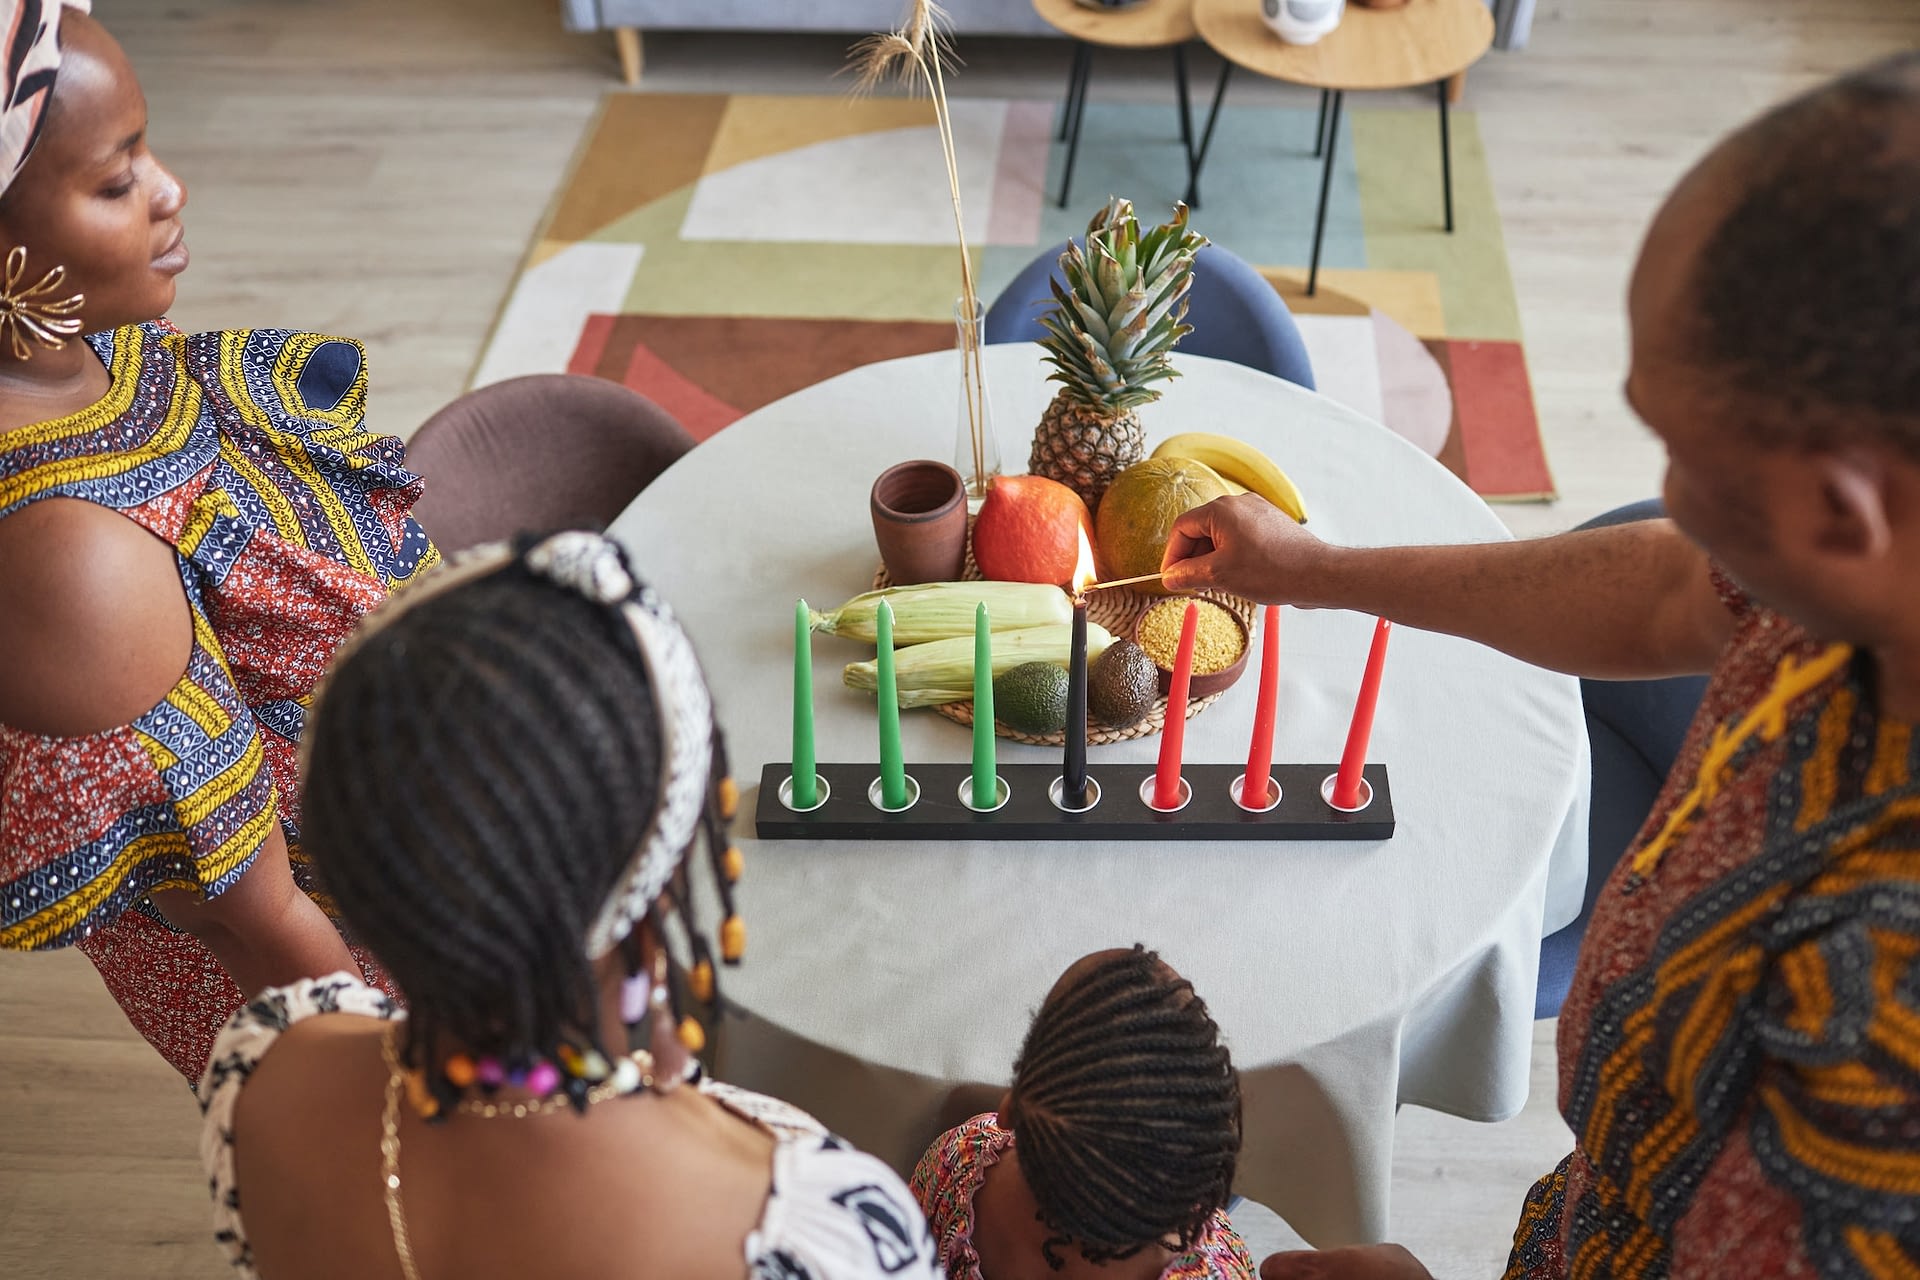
1347 978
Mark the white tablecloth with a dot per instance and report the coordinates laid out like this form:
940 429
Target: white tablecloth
1347 978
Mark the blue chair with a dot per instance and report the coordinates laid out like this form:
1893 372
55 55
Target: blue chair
1236 315
1636 728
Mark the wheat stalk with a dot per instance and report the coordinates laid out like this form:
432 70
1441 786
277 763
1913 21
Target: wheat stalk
919 55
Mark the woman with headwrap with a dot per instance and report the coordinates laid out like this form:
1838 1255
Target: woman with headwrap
189 527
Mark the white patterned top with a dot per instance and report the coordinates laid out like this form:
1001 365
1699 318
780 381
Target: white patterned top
831 1211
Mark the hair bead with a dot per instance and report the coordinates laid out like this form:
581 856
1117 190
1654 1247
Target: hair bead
419 1096
692 1035
733 939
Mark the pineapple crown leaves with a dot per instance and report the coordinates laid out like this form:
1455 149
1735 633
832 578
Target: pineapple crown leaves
1122 309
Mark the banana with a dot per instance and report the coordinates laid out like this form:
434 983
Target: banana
1238 463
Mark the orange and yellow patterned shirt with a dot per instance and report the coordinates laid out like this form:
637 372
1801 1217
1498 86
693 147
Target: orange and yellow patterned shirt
1740 1051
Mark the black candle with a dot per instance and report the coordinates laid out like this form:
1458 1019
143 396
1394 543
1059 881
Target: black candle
1075 772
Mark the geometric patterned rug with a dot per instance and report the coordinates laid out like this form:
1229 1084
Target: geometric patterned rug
717 252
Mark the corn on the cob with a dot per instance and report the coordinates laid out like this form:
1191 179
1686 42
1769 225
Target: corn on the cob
942 670
942 610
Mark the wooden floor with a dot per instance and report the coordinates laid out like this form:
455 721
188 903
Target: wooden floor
374 168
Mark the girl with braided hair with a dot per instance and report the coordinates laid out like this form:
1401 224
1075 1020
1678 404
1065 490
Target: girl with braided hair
1112 1155
508 772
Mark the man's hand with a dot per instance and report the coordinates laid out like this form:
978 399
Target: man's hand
1628 602
1247 546
1362 1262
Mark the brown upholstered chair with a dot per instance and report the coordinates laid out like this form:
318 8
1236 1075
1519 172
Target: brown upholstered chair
543 452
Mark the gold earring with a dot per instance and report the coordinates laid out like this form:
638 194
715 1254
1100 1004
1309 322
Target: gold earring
27 312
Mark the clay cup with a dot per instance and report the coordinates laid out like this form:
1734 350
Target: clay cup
920 522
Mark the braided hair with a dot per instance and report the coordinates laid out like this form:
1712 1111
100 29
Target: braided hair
479 773
1126 1110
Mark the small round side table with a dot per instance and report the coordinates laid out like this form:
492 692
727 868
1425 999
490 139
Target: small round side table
1424 42
1148 24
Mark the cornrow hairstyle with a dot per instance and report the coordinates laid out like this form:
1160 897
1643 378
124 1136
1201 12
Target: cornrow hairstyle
481 766
1125 1110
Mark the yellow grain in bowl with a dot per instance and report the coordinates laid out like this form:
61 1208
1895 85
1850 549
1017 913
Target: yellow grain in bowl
1218 637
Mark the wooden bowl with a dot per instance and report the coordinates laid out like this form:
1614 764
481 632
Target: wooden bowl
1205 686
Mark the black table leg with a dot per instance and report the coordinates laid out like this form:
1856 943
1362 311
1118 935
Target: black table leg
1206 135
1446 156
1326 186
1083 59
1186 112
1073 92
1320 125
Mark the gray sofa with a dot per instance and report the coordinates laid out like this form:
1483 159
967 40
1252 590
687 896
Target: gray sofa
626 19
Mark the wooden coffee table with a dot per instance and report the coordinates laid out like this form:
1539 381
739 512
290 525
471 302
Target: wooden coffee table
1425 42
1148 24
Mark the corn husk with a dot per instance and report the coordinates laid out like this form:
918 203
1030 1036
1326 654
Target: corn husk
943 610
941 671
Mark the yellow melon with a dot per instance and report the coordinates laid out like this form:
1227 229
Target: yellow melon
1139 509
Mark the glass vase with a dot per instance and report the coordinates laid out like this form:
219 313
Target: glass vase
976 451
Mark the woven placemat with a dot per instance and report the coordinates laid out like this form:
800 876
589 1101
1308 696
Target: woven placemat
1118 609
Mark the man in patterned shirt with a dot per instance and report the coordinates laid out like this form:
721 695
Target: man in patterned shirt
1740 1050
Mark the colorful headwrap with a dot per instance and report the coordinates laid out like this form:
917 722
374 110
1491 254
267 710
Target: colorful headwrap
32 29
591 565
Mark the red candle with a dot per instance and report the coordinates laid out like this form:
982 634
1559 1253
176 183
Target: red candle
1166 780
1256 790
1346 787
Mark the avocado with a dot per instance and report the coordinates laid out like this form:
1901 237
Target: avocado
1122 686
1032 698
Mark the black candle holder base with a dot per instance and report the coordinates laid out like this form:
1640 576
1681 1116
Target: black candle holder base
1126 813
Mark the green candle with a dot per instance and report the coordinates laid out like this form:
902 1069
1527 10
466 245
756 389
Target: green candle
893 769
986 785
806 783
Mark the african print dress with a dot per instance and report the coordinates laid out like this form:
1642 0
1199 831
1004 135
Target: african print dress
244 450
1740 1051
954 1168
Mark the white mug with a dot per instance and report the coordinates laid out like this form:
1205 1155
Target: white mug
1302 21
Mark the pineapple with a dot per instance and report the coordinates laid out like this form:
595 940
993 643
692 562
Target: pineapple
1109 340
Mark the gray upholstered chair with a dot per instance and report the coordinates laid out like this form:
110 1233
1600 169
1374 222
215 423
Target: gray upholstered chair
543 452
1236 314
1636 728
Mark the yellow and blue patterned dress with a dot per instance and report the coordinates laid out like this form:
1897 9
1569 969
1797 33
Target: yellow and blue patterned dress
244 450
1740 1050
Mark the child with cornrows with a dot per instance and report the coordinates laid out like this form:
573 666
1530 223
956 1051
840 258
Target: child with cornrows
1112 1155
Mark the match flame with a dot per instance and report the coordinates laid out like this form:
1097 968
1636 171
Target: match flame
1083 571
